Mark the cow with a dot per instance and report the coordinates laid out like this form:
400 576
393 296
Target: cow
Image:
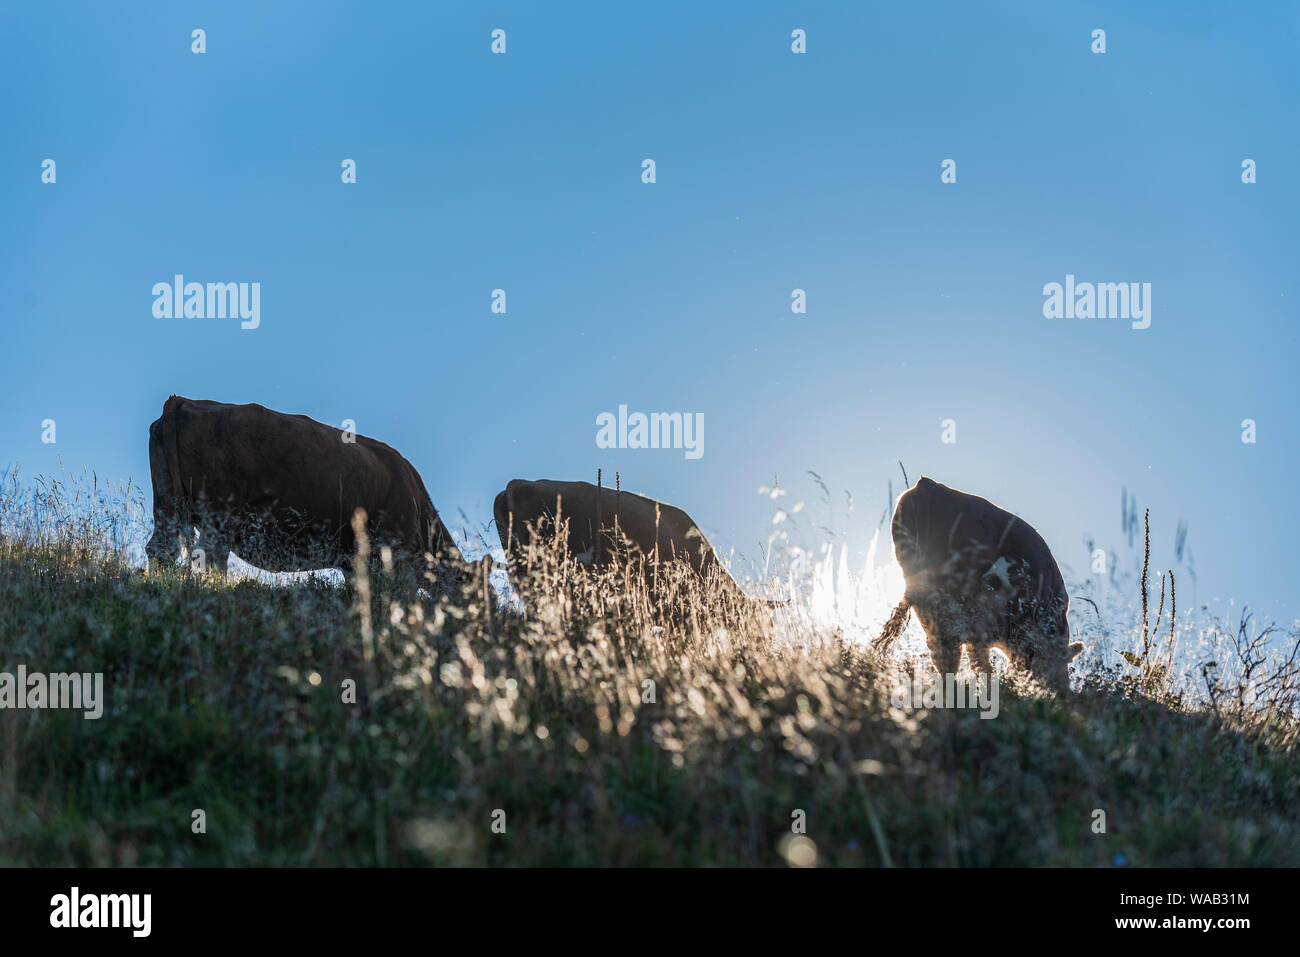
633 529
978 576
281 490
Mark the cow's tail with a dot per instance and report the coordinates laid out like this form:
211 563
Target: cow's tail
1089 601
894 627
171 445
172 453
172 514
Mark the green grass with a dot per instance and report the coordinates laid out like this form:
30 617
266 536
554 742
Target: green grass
227 698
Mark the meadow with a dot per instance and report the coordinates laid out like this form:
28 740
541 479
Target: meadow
370 724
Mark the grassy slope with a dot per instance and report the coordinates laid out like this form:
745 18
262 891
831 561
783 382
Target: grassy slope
227 698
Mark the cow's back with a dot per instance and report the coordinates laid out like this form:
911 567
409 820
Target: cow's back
632 525
941 534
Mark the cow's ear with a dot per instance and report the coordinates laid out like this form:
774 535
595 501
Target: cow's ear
1074 650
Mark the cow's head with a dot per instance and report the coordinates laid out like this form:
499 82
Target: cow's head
1049 659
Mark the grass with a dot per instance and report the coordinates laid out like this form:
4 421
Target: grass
594 730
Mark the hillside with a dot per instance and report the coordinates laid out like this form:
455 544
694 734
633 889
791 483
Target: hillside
604 735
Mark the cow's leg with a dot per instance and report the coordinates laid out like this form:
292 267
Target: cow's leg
161 547
173 534
943 637
155 549
168 539
945 652
989 624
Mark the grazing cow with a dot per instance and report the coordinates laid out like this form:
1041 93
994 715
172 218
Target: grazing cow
652 531
977 575
280 490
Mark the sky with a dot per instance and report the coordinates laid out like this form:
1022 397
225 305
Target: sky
774 171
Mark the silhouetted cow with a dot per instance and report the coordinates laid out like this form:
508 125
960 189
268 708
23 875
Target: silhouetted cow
977 575
280 490
647 531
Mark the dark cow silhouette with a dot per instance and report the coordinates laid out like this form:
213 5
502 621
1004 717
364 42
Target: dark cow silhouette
632 528
976 575
280 490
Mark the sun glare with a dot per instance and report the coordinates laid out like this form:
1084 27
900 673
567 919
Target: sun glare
857 603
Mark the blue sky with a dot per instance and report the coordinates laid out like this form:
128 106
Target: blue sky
775 171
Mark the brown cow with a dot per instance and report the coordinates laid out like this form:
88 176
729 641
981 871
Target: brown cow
280 490
977 575
647 530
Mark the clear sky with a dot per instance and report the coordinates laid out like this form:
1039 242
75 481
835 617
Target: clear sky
774 171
